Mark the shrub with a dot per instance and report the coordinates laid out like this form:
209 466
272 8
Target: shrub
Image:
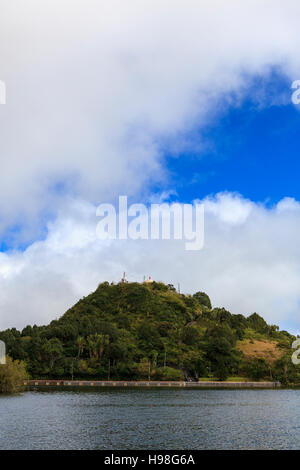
12 376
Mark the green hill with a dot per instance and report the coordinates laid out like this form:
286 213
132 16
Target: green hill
137 331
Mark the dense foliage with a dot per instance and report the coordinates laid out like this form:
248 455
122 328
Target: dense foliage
139 331
12 376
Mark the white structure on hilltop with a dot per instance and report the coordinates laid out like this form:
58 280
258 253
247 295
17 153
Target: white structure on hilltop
124 278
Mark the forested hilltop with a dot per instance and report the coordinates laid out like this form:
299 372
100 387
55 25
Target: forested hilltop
149 330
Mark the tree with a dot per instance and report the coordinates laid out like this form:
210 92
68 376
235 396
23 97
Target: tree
92 346
52 351
257 368
219 351
190 335
102 341
12 376
154 355
203 299
256 322
194 364
222 315
144 367
97 344
80 344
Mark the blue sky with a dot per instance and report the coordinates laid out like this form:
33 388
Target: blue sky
251 148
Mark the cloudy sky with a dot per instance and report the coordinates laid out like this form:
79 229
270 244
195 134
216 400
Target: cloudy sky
178 101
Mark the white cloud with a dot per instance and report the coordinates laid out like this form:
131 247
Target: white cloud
94 87
229 208
247 266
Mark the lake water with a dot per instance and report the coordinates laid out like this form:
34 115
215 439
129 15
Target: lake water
151 419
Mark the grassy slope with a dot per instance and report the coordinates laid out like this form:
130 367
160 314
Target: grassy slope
264 348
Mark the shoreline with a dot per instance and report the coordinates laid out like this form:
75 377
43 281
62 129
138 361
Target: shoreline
149 384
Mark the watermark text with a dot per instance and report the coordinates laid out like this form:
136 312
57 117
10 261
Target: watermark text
2 92
156 222
2 353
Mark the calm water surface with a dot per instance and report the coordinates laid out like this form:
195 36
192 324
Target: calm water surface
151 419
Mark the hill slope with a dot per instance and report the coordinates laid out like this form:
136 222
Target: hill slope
136 331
